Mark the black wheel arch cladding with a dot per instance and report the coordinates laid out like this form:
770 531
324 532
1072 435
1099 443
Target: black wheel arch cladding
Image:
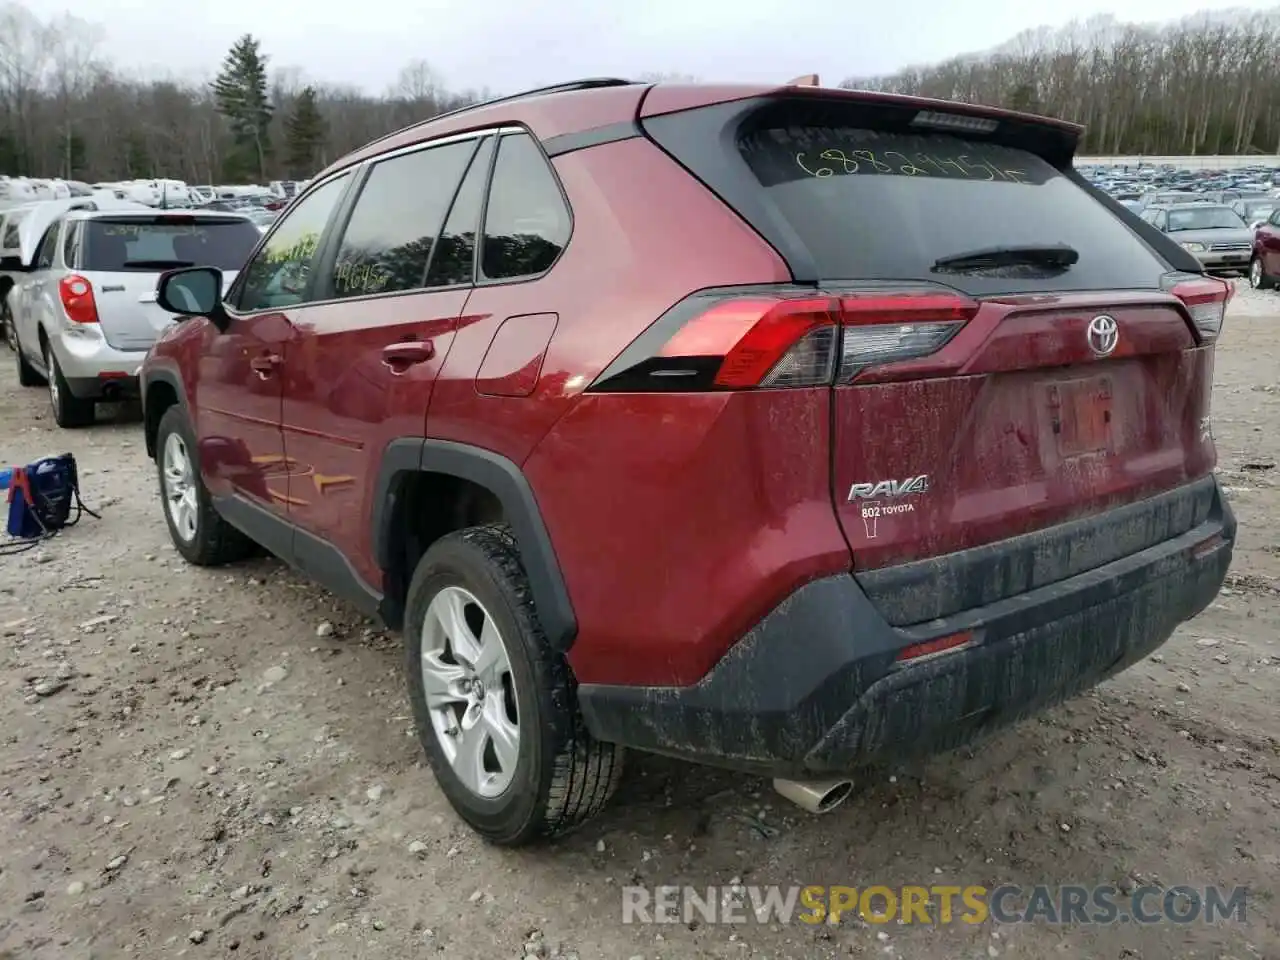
505 480
173 380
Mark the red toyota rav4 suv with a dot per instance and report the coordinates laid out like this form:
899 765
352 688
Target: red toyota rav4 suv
788 429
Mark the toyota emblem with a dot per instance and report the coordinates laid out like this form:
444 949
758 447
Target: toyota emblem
1104 334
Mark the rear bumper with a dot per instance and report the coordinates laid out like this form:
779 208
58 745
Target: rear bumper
95 370
815 687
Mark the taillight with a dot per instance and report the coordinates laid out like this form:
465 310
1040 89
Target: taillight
78 304
1205 298
725 341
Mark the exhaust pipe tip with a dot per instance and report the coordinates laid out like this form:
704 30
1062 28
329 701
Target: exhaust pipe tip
815 796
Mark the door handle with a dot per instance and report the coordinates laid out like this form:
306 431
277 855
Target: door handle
265 364
400 356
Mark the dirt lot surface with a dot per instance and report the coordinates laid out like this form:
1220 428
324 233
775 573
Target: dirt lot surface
209 763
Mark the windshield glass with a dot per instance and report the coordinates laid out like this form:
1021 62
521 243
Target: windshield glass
1204 218
1256 209
138 243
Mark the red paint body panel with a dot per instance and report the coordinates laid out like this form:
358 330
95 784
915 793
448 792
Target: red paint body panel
237 407
1266 247
681 519
628 261
513 363
343 404
1018 425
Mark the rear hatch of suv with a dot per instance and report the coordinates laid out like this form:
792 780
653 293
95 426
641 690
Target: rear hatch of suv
121 256
1008 354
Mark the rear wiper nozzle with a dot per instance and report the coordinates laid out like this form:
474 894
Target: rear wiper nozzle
1052 255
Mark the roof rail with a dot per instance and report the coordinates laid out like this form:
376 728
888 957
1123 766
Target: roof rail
591 83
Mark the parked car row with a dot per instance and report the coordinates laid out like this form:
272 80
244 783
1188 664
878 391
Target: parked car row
1227 219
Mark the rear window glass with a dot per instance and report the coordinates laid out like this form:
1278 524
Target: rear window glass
159 244
887 205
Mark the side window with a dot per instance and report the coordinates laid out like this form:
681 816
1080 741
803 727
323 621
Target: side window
277 276
1160 220
526 224
454 261
48 245
71 245
387 242
1274 219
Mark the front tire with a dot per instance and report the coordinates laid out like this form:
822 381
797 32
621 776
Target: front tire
1258 278
7 326
494 704
197 531
69 411
27 375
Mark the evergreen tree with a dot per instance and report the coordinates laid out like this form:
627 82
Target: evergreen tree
241 93
305 133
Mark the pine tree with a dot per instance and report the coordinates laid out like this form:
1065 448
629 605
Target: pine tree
305 132
241 93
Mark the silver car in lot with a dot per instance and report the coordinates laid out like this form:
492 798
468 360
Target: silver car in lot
84 311
1213 233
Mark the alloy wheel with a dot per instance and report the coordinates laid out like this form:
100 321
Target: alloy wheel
470 691
180 487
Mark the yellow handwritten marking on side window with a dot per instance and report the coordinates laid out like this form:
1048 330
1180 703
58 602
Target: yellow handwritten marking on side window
360 278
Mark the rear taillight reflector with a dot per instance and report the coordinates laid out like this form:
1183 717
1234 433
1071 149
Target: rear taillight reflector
1206 299
76 294
931 648
728 342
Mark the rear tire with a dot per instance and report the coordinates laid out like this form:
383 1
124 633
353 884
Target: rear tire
1258 278
206 540
526 712
69 411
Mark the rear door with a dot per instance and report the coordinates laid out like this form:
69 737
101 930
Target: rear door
370 345
1012 354
123 255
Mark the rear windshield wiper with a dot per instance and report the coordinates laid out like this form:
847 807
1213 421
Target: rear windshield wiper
157 264
1057 255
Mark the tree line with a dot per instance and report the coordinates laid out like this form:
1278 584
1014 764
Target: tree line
66 110
1201 87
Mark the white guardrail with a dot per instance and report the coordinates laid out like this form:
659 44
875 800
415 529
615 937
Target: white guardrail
1183 163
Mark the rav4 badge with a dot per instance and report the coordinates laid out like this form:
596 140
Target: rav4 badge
890 488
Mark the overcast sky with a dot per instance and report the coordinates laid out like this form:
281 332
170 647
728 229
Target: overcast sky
512 44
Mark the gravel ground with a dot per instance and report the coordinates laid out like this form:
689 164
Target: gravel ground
221 762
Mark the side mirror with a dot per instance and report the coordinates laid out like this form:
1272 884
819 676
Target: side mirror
193 291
